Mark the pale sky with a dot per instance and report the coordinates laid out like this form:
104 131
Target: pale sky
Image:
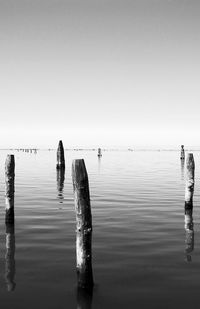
99 73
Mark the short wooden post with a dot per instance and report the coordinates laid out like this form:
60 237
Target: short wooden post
60 156
189 187
10 188
10 257
83 224
182 152
99 152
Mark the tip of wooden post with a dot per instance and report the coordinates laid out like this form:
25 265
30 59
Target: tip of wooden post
10 164
60 144
10 159
190 159
79 171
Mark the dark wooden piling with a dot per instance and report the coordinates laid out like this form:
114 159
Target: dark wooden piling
189 186
60 156
10 257
83 225
10 188
182 153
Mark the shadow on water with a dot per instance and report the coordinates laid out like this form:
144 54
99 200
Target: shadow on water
10 257
60 183
189 232
84 298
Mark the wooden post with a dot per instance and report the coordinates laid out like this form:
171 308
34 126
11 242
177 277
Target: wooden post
189 232
189 187
60 156
10 257
182 153
99 152
83 224
10 188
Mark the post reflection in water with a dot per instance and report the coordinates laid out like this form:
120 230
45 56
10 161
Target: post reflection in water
84 298
10 257
60 183
99 164
182 169
189 232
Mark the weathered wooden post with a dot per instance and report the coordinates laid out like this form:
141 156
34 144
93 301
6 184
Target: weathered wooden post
99 152
10 188
10 257
60 156
189 187
182 152
189 232
83 225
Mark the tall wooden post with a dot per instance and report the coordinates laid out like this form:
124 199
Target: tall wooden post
10 257
83 224
189 187
60 156
182 152
10 188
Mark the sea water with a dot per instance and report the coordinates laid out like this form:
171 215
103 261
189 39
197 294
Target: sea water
143 257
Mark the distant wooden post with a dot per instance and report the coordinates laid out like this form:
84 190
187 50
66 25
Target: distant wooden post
10 188
189 187
60 156
182 152
99 152
10 257
83 224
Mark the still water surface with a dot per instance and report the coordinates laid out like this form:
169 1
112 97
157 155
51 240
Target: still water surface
142 255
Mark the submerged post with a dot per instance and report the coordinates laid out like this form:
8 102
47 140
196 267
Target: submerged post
10 188
189 187
83 225
182 152
60 156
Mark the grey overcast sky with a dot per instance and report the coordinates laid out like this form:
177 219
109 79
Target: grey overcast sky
99 72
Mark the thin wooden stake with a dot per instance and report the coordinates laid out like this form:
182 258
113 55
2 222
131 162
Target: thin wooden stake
189 187
182 152
10 188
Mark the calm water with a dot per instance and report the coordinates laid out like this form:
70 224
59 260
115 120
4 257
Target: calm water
142 255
